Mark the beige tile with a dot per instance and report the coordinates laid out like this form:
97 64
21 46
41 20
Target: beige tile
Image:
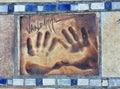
27 0
6 45
110 44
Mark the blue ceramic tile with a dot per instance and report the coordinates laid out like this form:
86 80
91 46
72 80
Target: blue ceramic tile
11 8
108 5
64 7
3 81
50 7
73 82
31 8
39 82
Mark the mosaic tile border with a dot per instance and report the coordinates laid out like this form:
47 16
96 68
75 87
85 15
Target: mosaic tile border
33 8
63 82
36 8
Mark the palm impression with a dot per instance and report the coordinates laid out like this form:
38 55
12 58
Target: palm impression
59 45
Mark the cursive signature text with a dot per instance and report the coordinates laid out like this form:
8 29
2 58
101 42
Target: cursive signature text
47 23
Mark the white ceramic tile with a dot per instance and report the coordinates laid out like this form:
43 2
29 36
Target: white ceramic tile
80 0
19 8
40 8
83 82
74 7
18 82
83 7
45 88
104 82
64 82
9 81
115 5
3 8
1 1
95 82
114 82
30 82
48 81
97 6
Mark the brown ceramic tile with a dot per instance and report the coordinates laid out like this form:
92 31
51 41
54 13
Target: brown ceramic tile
27 1
6 45
59 44
110 44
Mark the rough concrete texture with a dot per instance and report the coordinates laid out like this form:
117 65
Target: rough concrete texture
6 45
110 44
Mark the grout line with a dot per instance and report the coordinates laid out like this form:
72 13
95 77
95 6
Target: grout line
57 2
16 46
100 45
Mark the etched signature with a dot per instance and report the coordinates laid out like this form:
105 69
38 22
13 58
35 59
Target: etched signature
47 23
